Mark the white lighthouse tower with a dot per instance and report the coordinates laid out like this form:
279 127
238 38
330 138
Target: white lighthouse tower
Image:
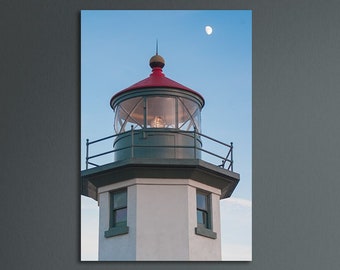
158 199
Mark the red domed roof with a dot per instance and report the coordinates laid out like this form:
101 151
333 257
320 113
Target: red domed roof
156 79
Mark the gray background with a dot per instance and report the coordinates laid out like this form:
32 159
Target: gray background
296 131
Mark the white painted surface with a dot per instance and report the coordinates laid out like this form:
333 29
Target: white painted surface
161 220
121 247
203 248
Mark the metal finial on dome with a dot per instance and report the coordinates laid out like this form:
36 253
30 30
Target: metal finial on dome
156 46
157 60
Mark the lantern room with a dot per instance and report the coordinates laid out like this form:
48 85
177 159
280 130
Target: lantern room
161 109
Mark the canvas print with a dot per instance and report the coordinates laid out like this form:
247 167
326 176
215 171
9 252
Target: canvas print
166 169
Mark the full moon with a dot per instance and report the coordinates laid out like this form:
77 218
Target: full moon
208 30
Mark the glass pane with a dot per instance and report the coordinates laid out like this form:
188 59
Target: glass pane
184 119
119 199
130 104
120 217
202 218
187 126
131 122
190 105
161 112
188 115
119 120
129 113
201 201
197 119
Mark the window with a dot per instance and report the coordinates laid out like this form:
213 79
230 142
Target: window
203 215
204 219
118 213
157 111
119 208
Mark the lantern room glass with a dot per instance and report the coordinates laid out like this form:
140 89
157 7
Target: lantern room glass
129 113
157 112
160 112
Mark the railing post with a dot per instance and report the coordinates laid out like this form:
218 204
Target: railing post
231 155
87 154
132 140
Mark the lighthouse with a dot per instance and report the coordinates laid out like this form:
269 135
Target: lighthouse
158 198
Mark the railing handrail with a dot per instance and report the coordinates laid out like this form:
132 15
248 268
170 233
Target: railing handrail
196 135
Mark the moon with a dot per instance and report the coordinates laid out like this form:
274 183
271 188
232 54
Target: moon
208 30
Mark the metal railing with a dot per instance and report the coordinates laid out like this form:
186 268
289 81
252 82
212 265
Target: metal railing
226 160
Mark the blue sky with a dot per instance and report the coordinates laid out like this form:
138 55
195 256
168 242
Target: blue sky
115 50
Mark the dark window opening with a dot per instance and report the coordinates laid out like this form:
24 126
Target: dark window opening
204 218
118 213
203 211
119 208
